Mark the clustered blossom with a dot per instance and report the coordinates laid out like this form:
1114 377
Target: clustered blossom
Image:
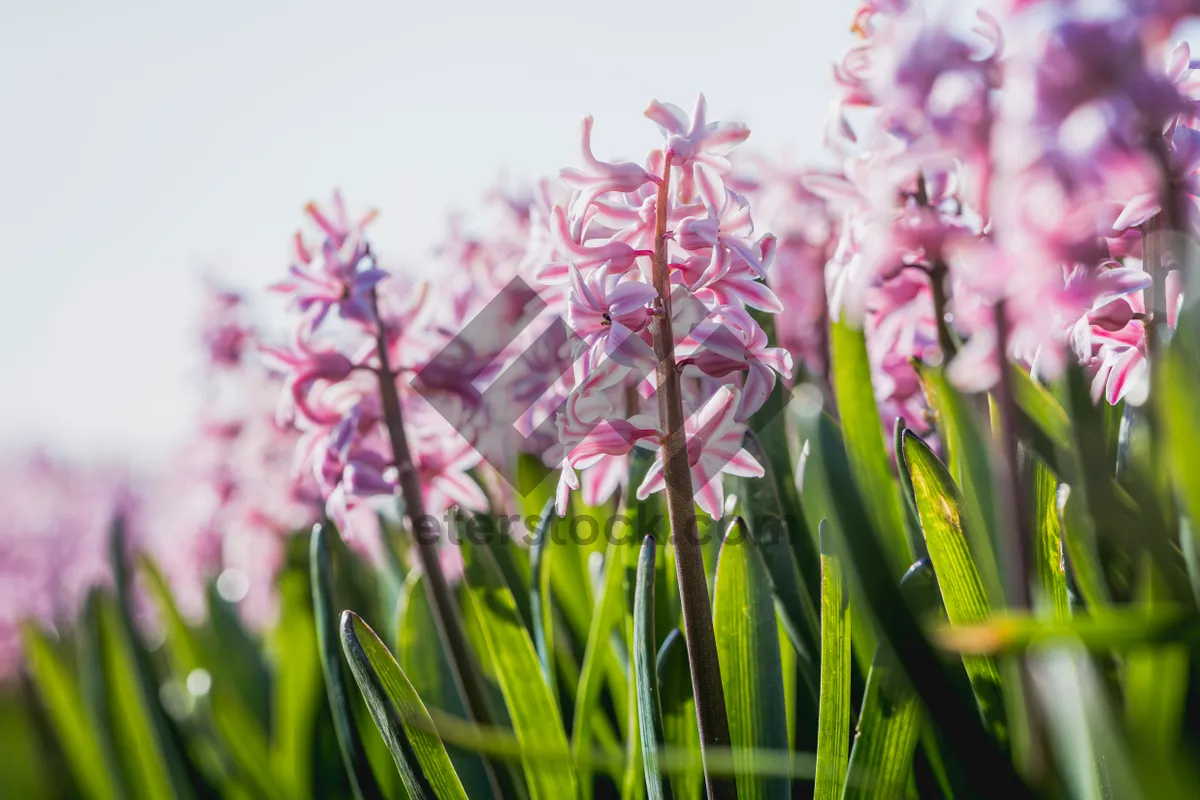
229 499
53 542
602 244
332 370
1002 196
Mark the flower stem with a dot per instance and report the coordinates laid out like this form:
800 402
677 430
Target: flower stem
1017 551
689 564
447 617
937 282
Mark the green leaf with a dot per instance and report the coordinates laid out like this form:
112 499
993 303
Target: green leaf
135 738
1179 388
649 712
399 714
939 506
354 756
888 729
778 531
679 713
609 608
240 736
1039 407
33 763
970 464
1051 592
912 525
1118 629
889 723
833 727
76 733
770 431
133 689
531 706
423 660
864 440
950 705
540 602
297 684
831 498
1156 678
748 650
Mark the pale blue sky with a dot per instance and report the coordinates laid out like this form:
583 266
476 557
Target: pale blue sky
144 142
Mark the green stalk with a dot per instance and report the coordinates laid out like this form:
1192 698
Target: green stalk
447 616
689 563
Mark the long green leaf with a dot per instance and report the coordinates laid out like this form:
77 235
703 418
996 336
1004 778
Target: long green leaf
1179 388
1040 407
354 755
889 724
777 529
1156 678
399 714
679 713
540 588
1118 630
1051 593
770 430
833 727
864 440
888 730
645 677
134 698
828 489
532 708
502 744
428 670
748 650
951 707
297 685
970 464
939 505
135 738
76 733
240 735
609 608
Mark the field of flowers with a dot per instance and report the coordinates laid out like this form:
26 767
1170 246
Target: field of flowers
702 474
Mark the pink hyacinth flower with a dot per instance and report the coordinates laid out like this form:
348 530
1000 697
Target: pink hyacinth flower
308 369
716 283
619 256
607 314
727 223
442 462
335 279
695 141
732 342
602 176
714 448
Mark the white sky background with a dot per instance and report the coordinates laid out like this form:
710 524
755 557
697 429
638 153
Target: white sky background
144 143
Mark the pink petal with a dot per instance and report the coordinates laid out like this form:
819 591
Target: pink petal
754 294
744 465
602 480
460 489
668 116
1126 368
830 187
712 188
1137 211
759 382
711 496
654 480
715 417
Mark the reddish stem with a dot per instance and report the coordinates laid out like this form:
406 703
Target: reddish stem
689 563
